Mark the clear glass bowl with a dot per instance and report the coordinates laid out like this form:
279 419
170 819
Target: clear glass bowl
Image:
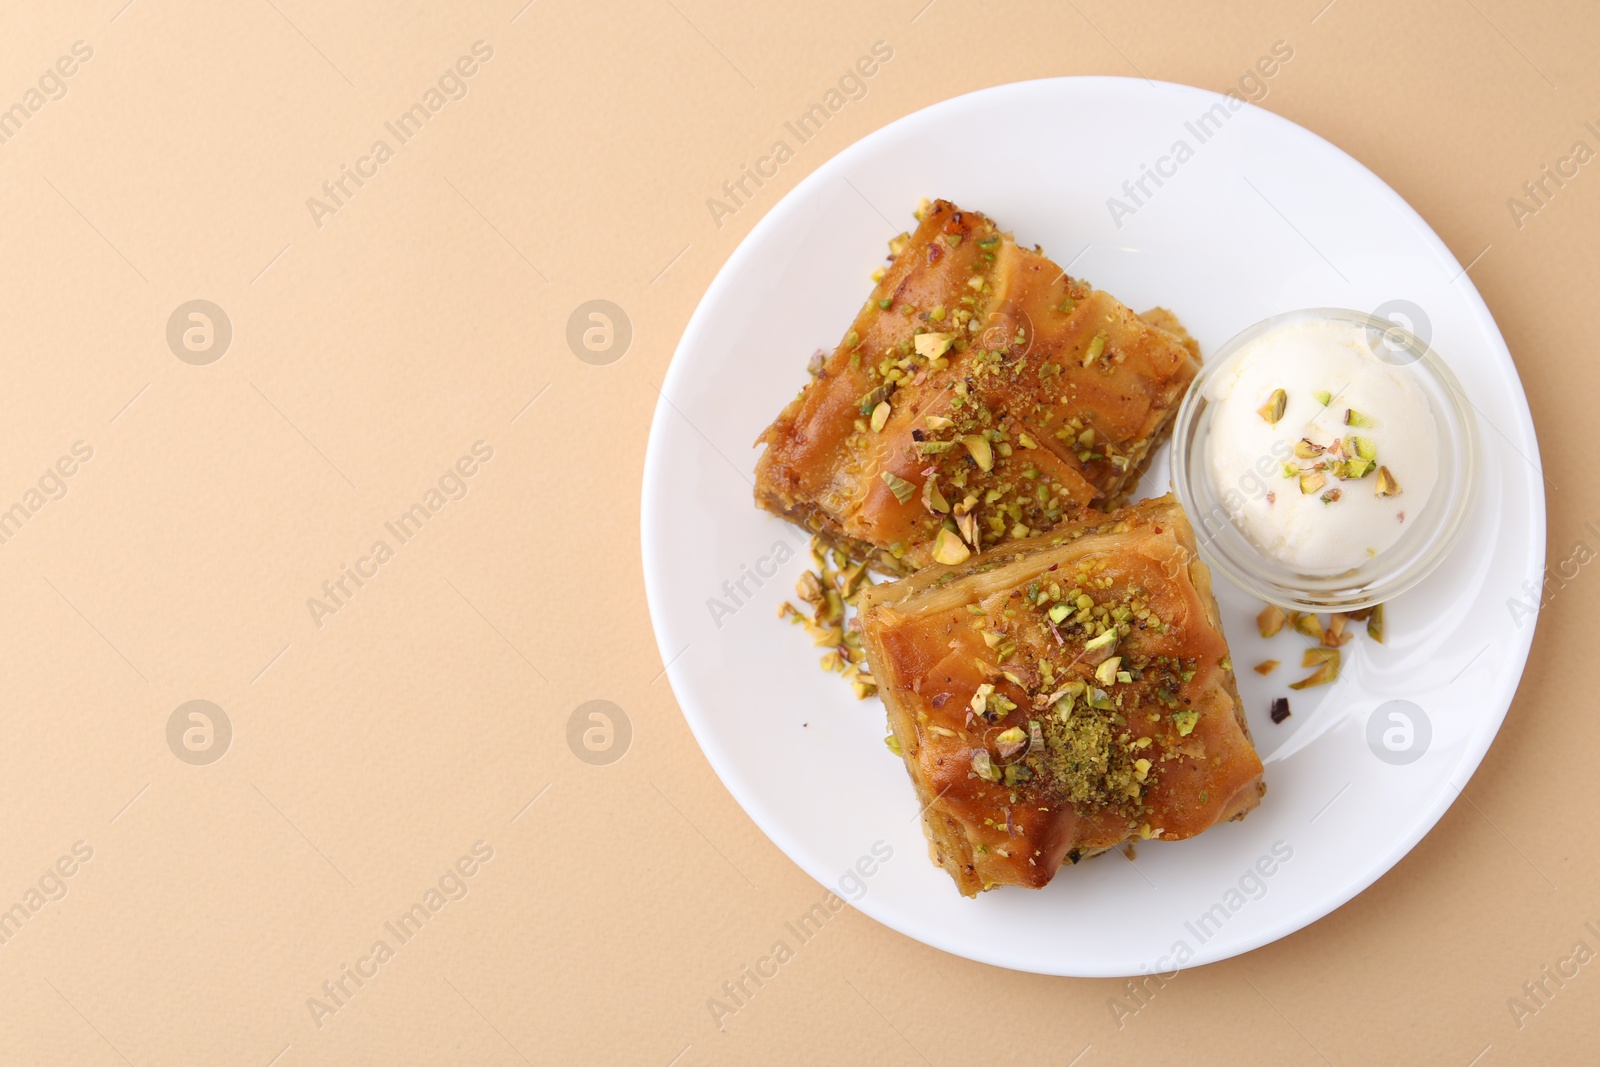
1429 536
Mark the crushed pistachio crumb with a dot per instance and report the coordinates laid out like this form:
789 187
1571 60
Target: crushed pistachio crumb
880 416
1326 660
949 549
1273 409
829 590
1011 741
1270 621
980 450
1096 348
902 489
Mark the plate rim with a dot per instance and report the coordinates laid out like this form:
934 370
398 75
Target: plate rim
770 821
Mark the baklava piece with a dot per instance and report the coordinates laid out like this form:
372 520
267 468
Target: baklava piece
1063 694
980 395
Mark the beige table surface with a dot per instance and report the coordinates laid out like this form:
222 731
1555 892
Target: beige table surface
166 151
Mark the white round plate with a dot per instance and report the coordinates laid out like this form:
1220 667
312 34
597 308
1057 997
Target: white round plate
1259 217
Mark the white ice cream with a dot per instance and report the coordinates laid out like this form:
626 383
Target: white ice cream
1293 519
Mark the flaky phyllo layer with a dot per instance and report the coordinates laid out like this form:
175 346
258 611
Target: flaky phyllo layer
980 395
1062 694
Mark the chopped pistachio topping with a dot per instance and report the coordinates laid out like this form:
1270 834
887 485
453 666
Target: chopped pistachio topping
1311 657
1306 624
1185 721
894 744
1086 763
1098 649
932 499
1326 660
948 549
1271 620
980 450
1096 348
967 525
1310 483
934 345
1273 409
983 766
939 422
1326 657
1106 673
1387 486
1011 741
1307 449
1323 397
1353 417
1352 468
902 489
827 590
1321 676
880 415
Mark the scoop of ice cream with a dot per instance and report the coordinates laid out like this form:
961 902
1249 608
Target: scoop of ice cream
1320 451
